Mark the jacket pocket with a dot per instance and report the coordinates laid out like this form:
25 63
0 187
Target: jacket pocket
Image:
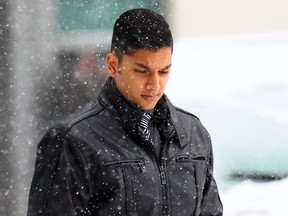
126 169
189 159
124 163
195 168
199 164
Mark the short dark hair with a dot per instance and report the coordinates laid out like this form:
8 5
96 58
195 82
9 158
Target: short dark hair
140 28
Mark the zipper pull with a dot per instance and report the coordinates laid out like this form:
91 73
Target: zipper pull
162 175
142 166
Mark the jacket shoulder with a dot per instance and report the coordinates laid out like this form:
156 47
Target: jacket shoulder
90 109
185 112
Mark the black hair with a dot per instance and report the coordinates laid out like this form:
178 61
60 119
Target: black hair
140 28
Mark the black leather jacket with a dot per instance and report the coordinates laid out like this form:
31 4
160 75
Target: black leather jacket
97 163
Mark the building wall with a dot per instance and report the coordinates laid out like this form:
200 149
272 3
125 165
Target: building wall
5 112
192 18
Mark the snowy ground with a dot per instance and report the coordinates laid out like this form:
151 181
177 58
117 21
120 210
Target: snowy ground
256 199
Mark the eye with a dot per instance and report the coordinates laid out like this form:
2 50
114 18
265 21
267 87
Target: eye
140 71
164 71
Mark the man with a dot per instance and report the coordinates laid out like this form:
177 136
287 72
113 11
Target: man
129 152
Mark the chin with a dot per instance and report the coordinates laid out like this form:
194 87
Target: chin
148 107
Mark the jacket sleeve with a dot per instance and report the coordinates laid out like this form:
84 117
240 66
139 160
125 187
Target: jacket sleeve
61 182
211 203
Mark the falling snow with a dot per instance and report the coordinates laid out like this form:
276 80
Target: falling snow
52 62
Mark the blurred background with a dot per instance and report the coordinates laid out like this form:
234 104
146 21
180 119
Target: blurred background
230 68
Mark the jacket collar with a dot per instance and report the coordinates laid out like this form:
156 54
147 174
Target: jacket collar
164 113
179 127
128 114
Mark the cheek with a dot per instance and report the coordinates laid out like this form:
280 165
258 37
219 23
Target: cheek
136 82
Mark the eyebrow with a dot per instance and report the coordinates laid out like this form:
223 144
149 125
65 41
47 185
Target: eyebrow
147 67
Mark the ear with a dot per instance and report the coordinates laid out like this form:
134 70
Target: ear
112 64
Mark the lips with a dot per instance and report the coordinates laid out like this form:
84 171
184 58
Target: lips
149 97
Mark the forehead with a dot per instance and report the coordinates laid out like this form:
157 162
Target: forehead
149 57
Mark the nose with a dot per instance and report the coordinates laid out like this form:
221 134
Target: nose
153 82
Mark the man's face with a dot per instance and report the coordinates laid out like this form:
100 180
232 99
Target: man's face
141 78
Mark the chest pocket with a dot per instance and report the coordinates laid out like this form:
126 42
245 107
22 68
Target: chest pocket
119 185
188 176
199 164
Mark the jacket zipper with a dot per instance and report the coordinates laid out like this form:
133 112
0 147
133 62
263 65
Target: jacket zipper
163 177
142 166
162 174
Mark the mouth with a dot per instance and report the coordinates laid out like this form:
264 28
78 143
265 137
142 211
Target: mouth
150 97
